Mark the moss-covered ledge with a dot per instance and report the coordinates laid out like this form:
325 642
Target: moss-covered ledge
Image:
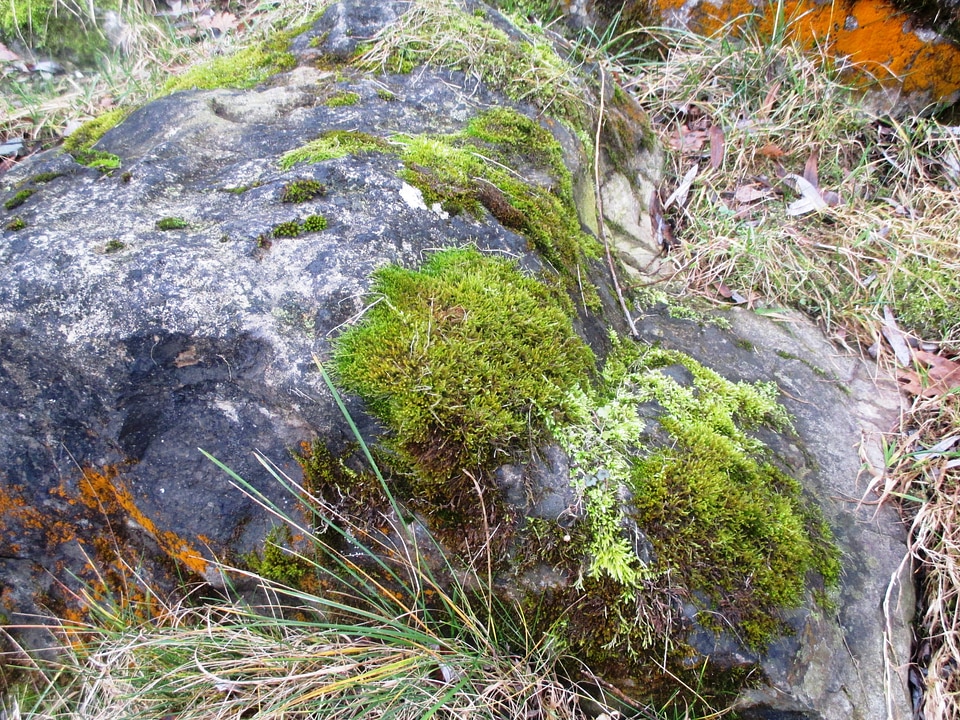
682 520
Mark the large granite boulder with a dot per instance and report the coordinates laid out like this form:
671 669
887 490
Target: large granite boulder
178 303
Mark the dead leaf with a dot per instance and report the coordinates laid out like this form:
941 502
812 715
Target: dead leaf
772 151
767 105
724 291
679 195
221 22
935 375
688 142
716 147
746 194
810 169
810 201
895 337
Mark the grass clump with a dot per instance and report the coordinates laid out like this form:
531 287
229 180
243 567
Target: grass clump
442 33
379 639
463 360
171 223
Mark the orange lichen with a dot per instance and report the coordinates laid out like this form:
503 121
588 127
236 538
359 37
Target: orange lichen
103 490
879 40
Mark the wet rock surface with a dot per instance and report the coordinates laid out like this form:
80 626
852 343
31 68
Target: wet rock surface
124 348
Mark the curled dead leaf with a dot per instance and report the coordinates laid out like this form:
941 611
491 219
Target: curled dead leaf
935 375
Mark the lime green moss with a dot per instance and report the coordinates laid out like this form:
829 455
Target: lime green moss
334 144
464 361
17 223
342 99
468 171
172 223
19 198
300 191
722 518
80 143
246 68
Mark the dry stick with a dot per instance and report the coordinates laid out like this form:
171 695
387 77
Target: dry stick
599 196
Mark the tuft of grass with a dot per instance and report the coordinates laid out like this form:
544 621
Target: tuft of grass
444 34
890 239
381 638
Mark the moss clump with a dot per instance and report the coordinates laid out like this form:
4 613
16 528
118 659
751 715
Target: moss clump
924 300
45 177
464 361
342 99
113 246
80 143
722 519
299 191
314 223
172 223
294 228
19 199
244 69
334 144
277 562
467 172
17 223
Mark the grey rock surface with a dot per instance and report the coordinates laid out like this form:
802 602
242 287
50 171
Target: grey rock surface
124 348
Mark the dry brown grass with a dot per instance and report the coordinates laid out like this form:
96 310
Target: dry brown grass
884 250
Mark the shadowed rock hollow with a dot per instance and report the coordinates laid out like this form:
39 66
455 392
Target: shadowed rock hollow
178 302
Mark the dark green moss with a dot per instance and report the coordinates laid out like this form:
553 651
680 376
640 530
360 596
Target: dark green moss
172 223
289 229
113 246
44 177
17 223
299 191
295 228
463 362
19 199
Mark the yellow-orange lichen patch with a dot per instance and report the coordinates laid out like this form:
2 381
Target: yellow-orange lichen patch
882 42
17 514
103 489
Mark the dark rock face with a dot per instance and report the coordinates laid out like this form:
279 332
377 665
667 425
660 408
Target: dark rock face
124 348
